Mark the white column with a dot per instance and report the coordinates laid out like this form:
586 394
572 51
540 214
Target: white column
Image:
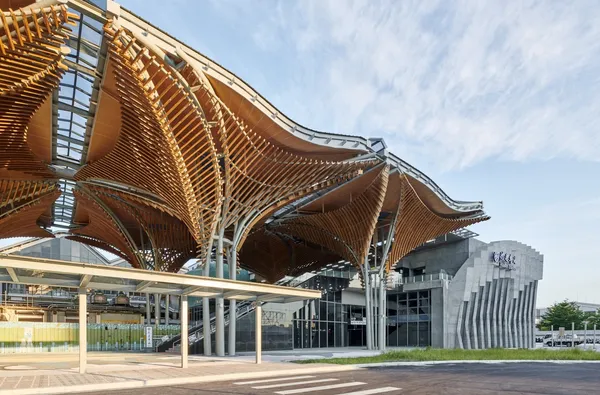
157 309
368 312
382 326
206 312
167 297
82 329
220 303
232 303
258 332
311 315
148 314
375 303
183 312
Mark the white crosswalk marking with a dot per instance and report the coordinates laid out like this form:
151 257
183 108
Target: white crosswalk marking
320 388
373 391
294 383
274 380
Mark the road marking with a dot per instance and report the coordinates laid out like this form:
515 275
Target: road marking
373 391
274 380
320 388
294 383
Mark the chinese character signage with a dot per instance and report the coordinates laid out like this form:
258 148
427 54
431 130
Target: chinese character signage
504 260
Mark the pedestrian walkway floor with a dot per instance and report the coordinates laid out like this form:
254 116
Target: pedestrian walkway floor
58 373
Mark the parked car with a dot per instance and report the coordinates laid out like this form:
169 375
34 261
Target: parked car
566 340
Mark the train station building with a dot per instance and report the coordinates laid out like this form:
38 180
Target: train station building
119 137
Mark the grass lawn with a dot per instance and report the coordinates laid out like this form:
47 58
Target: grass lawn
437 354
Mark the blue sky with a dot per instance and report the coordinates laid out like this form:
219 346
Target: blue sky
497 101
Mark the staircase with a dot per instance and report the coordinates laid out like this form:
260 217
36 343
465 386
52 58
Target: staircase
243 308
196 332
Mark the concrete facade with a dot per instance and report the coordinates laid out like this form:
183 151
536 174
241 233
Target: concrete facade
490 305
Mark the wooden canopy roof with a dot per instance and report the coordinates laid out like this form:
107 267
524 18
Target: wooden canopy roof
152 151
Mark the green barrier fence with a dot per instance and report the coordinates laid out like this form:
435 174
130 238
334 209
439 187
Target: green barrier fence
27 337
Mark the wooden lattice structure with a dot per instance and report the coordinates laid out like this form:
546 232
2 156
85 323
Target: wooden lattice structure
175 152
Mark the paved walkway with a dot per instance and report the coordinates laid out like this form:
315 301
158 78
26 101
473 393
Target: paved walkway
53 374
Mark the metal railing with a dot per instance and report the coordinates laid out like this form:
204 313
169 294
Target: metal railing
397 281
197 333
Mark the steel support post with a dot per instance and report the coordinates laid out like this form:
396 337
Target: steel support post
167 313
232 302
156 309
381 340
258 332
184 331
82 294
374 287
148 314
367 278
220 302
206 312
311 314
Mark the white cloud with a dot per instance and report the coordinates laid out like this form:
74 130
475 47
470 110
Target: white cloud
464 81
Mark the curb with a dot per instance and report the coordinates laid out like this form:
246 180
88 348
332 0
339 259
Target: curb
488 362
134 384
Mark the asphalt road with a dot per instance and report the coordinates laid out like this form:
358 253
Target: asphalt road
464 379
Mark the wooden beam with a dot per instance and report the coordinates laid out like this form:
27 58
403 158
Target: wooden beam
13 275
143 285
85 280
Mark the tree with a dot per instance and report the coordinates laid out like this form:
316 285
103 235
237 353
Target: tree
563 314
593 318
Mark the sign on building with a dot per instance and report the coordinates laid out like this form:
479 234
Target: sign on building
149 337
504 260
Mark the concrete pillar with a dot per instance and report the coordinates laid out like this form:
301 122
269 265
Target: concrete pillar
258 332
184 331
156 309
167 297
82 293
148 314
232 303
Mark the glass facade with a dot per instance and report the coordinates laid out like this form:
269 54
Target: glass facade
327 326
333 324
409 319
64 250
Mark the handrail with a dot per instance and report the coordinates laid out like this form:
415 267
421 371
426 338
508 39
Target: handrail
196 333
396 281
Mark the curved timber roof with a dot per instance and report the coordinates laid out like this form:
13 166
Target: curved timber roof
135 143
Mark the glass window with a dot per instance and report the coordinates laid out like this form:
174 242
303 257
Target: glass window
402 334
322 310
424 334
338 312
413 334
322 334
314 333
412 305
337 297
331 334
331 311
